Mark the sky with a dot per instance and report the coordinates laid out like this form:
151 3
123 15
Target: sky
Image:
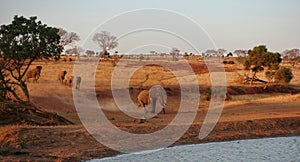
190 25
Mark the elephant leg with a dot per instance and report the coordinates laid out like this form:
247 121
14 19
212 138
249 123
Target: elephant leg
163 105
144 117
153 105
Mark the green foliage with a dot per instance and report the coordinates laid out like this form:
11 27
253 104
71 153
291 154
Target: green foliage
22 42
284 75
27 39
259 58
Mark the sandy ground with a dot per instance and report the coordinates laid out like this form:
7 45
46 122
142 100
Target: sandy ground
249 114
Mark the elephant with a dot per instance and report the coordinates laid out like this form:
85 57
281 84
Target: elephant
143 98
77 83
34 73
61 76
69 80
157 92
147 97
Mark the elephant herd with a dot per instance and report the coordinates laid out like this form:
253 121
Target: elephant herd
63 78
69 80
145 97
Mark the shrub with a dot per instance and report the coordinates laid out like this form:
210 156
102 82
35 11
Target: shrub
284 75
230 62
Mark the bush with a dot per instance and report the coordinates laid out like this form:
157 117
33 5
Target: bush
284 75
230 62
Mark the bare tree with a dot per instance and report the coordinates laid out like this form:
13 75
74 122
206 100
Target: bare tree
291 56
67 38
174 51
241 53
105 41
221 52
210 53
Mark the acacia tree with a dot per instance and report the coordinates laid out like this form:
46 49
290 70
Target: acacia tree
105 41
258 59
90 52
22 42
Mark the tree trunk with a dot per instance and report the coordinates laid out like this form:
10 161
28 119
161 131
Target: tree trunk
25 90
253 76
267 84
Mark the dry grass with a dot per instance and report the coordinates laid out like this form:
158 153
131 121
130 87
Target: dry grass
245 116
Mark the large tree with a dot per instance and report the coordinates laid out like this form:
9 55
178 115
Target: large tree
260 59
106 41
68 39
22 42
